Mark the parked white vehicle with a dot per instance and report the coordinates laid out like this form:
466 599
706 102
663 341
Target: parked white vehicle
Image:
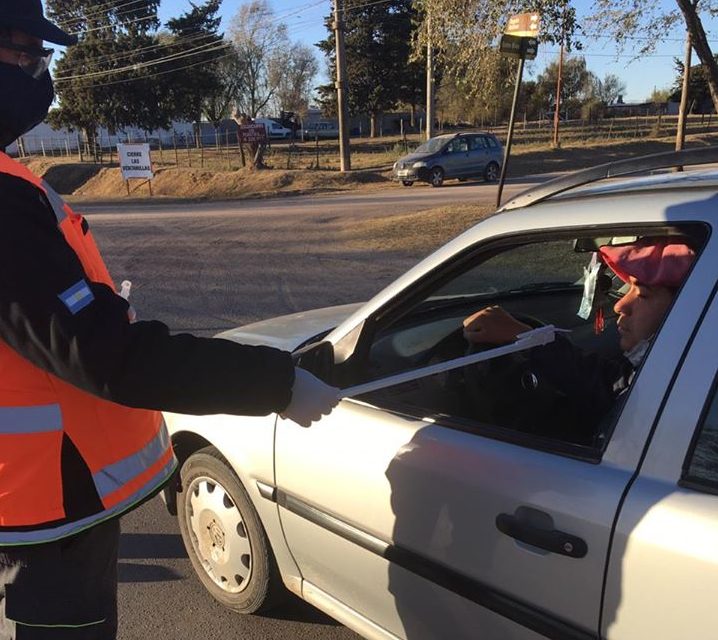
448 506
274 129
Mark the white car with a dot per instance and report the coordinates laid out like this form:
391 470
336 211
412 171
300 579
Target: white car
450 505
274 129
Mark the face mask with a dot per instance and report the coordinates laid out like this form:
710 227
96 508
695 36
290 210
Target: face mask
25 103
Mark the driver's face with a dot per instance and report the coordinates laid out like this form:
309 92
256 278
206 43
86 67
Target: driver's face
640 312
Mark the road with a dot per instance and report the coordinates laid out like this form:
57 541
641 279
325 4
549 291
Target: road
207 267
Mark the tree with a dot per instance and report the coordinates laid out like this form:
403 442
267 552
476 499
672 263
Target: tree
196 41
464 33
576 85
293 72
624 20
609 89
259 42
219 104
699 95
377 40
105 79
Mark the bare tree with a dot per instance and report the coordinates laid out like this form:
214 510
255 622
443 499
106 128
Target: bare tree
293 73
463 36
260 43
623 20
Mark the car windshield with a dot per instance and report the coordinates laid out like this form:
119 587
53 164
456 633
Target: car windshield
432 146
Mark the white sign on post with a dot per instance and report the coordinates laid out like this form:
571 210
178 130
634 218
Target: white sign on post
135 161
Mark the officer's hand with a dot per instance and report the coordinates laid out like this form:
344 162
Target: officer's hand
493 325
311 399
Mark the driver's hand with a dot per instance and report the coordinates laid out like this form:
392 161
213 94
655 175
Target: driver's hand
493 325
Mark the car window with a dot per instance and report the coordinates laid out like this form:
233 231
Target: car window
458 145
491 142
566 394
701 468
477 143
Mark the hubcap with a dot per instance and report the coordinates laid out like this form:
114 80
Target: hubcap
436 177
219 536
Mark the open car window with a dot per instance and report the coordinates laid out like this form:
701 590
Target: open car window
568 393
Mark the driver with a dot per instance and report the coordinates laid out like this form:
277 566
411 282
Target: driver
588 384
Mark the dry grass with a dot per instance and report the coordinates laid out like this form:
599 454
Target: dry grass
418 232
371 161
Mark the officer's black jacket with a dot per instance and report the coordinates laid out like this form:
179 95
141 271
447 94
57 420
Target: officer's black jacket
97 349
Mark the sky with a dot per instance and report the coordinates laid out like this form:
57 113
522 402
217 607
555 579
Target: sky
305 23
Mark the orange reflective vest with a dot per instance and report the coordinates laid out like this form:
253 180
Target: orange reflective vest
127 450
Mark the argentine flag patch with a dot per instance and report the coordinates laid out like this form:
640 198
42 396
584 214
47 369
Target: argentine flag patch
77 297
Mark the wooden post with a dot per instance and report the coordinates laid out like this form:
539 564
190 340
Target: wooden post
189 157
42 146
67 147
79 148
162 160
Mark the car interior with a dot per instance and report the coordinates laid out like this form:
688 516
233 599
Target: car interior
539 282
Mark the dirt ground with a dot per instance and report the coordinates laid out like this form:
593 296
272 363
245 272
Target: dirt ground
95 182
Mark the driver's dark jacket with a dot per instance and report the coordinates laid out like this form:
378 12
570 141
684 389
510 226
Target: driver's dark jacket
139 365
584 388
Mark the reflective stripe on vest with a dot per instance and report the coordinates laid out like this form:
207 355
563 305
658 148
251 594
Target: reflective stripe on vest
40 419
11 538
117 475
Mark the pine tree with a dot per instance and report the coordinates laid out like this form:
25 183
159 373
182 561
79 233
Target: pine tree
197 41
105 80
378 48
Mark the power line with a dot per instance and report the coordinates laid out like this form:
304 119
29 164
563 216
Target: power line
205 48
157 73
114 57
97 11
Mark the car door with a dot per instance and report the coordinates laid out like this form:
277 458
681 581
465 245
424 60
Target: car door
663 571
428 526
455 159
478 155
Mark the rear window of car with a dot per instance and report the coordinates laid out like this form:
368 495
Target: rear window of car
491 142
701 468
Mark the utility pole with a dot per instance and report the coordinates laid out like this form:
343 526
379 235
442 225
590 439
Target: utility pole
557 110
429 81
341 85
681 129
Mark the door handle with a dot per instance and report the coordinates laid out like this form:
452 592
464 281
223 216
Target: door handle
549 539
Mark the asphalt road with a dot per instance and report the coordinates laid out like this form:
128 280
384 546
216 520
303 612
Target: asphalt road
208 267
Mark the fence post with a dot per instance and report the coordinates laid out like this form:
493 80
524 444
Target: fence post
174 144
67 147
79 147
189 157
162 160
42 146
241 150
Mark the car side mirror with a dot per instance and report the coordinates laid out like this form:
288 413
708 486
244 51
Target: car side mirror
317 358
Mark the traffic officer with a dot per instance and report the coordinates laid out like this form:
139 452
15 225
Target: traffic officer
81 439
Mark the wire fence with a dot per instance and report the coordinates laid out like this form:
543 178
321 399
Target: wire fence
223 149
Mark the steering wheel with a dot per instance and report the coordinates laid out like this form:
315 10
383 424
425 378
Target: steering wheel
504 391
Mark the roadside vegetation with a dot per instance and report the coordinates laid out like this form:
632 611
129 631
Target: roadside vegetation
216 173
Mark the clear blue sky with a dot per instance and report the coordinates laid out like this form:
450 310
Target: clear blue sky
304 20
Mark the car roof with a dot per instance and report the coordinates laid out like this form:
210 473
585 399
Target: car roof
576 182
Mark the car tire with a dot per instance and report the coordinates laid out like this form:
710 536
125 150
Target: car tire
224 537
436 177
491 173
407 183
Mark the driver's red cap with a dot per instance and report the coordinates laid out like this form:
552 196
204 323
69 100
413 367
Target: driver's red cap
651 261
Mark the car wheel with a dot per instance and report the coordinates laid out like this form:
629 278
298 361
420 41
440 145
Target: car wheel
436 177
224 537
407 183
491 173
